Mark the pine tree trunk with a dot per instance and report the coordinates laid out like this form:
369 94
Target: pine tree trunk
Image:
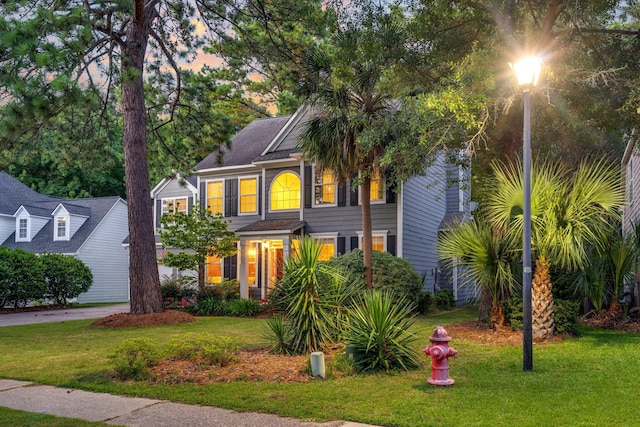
144 281
542 301
367 239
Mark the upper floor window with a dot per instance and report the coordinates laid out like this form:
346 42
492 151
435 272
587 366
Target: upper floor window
285 192
324 187
23 228
61 227
377 190
248 195
215 196
172 206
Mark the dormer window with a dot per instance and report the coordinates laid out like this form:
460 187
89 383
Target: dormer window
23 229
173 206
61 227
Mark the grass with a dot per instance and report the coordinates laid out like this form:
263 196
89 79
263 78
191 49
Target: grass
14 418
586 381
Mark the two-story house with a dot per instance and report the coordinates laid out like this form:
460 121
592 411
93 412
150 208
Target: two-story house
271 195
89 229
631 211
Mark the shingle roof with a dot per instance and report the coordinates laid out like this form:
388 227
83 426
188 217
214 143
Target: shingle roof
247 144
13 193
43 241
274 225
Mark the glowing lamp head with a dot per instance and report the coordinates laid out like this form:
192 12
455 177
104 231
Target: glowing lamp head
527 71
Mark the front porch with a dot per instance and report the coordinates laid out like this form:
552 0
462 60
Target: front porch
263 247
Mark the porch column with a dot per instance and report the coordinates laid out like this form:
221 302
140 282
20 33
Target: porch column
244 270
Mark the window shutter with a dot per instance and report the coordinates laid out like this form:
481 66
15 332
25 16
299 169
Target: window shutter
234 197
353 194
231 267
227 197
391 194
341 245
158 212
342 195
308 186
354 242
259 190
391 244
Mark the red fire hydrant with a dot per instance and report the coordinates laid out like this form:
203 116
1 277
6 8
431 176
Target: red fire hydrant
440 351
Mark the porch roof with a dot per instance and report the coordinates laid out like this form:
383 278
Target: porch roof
271 226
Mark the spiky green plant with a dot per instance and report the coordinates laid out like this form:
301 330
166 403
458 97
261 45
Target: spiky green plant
488 255
378 333
311 295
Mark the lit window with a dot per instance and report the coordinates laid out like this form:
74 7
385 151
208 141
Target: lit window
61 226
285 192
214 269
252 262
324 187
172 206
23 228
214 197
327 249
248 195
377 186
378 241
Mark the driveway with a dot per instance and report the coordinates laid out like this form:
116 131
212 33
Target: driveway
30 317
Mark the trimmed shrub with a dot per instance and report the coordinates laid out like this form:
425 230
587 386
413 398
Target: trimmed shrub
66 277
204 348
212 305
133 358
566 315
21 277
425 302
444 299
377 335
389 273
512 308
243 307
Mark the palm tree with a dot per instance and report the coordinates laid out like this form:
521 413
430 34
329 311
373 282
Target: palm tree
344 112
488 256
570 213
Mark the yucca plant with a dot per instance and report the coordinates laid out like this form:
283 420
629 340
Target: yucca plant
311 296
378 334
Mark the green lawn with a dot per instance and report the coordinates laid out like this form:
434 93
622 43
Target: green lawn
586 381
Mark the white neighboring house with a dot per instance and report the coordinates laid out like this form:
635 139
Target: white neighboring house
91 229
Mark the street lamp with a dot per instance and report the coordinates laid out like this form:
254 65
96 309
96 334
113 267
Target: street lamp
527 71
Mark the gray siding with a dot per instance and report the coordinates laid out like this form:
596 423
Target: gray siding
173 189
108 260
631 212
75 222
423 209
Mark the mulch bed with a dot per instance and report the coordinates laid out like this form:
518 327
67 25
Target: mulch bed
127 320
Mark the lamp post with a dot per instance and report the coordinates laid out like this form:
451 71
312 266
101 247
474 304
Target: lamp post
527 71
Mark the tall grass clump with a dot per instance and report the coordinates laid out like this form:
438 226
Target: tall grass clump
311 296
377 335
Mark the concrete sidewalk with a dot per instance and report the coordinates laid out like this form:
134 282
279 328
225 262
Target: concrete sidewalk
45 316
135 411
